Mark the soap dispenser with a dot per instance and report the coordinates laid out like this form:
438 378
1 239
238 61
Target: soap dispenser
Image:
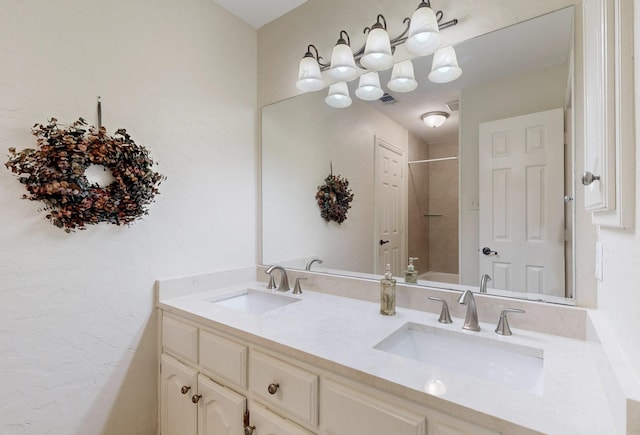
388 293
411 274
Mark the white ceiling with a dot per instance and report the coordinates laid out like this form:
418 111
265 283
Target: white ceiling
257 13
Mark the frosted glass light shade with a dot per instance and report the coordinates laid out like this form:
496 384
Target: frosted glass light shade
434 119
338 96
445 66
377 52
309 75
424 36
343 66
369 87
402 77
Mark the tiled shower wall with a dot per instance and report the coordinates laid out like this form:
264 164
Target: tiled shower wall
433 206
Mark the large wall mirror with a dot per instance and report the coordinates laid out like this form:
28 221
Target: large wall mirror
489 192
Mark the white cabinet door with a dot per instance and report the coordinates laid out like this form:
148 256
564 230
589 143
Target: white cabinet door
220 410
346 411
178 383
268 423
609 137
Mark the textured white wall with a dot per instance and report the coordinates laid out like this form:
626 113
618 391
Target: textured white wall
619 291
77 330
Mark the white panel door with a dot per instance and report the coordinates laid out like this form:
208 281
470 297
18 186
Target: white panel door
522 202
390 207
221 411
178 383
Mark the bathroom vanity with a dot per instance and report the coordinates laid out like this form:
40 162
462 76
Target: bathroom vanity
238 358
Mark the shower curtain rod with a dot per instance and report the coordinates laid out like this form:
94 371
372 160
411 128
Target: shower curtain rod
434 160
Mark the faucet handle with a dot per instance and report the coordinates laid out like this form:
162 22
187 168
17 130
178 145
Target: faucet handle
272 281
296 288
445 317
503 324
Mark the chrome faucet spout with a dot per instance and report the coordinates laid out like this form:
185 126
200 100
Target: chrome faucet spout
483 283
471 319
284 280
310 263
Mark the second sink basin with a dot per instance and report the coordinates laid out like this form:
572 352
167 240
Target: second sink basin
254 301
516 366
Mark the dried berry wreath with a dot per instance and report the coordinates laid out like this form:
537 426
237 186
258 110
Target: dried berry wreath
54 173
334 198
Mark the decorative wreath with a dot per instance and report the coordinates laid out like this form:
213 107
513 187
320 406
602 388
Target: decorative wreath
334 198
55 174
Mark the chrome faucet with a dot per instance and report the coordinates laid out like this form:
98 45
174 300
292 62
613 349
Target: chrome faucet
483 283
284 281
471 319
310 262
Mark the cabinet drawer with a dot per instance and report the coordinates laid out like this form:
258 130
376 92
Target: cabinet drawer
179 339
346 411
297 391
224 358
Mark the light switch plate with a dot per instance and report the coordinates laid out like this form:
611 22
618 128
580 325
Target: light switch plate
599 261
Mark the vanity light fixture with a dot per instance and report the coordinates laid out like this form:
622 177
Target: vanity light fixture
434 119
445 66
424 37
338 96
309 75
343 65
421 37
377 51
402 77
369 87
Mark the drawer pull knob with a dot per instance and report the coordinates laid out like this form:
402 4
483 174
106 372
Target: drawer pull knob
248 430
185 389
273 388
196 398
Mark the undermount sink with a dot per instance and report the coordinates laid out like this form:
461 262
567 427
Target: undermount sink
513 365
253 301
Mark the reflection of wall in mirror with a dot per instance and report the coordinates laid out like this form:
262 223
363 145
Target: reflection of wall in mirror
520 95
302 136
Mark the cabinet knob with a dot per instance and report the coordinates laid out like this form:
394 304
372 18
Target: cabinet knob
588 178
185 389
273 388
196 398
248 430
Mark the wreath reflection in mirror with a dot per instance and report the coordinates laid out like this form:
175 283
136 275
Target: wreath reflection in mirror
334 198
54 174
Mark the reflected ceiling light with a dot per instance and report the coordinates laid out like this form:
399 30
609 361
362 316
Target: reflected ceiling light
377 51
424 37
421 37
343 65
445 66
402 77
369 87
434 119
309 75
338 96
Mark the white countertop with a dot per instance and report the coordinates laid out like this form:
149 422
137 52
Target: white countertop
339 334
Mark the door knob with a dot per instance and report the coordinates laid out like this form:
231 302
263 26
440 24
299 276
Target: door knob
185 389
588 178
196 398
487 251
383 242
